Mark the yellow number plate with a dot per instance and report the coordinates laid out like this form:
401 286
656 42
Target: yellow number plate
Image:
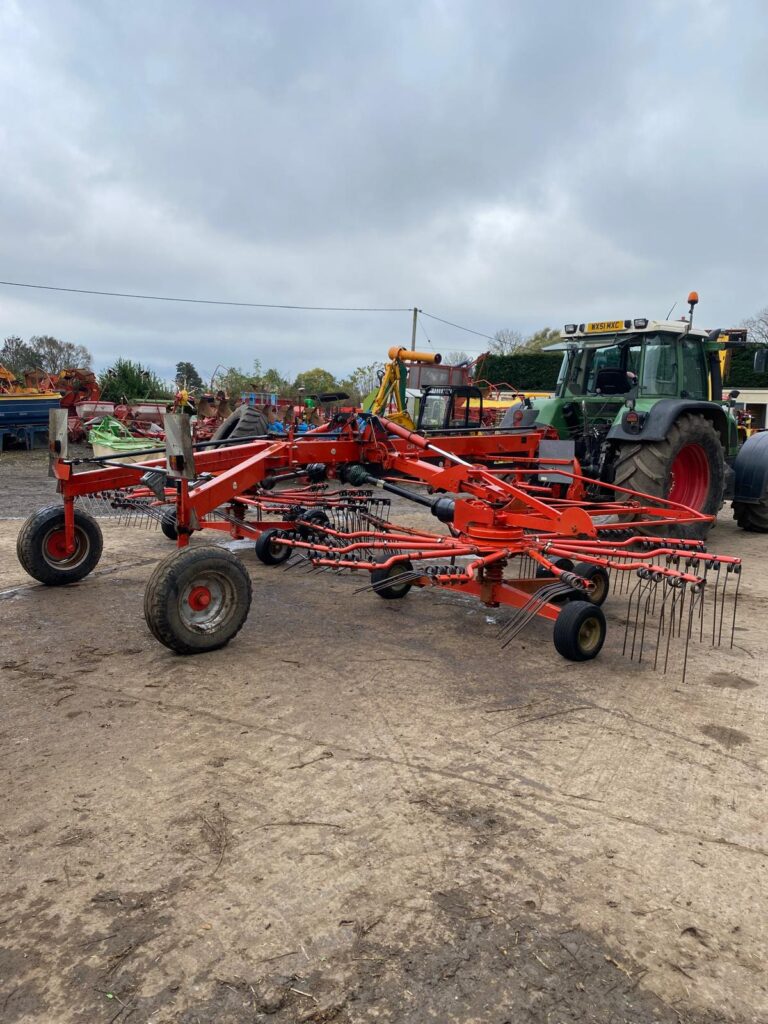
604 326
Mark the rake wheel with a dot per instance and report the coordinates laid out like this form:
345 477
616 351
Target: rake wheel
596 575
270 551
40 546
197 599
168 524
579 631
395 590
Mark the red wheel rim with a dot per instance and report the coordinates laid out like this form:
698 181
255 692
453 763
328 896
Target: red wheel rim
56 545
690 477
199 598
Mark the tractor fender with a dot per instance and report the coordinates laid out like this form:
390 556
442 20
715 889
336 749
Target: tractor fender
751 484
654 424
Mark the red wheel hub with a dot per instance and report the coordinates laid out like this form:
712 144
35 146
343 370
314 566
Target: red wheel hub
690 477
56 545
199 599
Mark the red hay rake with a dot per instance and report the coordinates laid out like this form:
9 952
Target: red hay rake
517 530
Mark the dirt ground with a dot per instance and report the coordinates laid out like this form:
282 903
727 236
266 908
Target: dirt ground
366 810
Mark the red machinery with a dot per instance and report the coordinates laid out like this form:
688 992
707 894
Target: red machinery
543 540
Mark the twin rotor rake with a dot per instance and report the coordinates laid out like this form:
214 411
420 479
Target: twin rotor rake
515 530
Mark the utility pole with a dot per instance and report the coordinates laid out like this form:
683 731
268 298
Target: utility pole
413 332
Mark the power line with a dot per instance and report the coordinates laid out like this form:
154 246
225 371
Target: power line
450 324
247 305
208 302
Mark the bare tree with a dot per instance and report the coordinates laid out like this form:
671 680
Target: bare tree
505 342
457 358
757 326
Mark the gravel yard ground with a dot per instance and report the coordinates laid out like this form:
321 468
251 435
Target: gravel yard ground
365 810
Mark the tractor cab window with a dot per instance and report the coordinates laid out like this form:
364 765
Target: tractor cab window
695 378
613 370
659 375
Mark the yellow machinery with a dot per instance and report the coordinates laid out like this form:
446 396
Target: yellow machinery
393 384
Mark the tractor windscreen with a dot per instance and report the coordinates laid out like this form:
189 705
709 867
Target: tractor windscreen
611 368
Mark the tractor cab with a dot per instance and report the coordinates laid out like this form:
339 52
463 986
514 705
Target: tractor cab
641 358
615 377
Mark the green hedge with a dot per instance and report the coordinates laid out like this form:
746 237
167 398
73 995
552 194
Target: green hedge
741 373
535 371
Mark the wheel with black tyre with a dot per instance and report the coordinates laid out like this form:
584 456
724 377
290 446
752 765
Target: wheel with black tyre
579 631
41 546
168 524
245 421
751 517
565 564
197 599
688 467
314 517
599 579
270 551
398 587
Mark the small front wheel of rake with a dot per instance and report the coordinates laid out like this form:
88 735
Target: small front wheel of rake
168 524
579 631
270 551
599 579
41 546
197 599
398 587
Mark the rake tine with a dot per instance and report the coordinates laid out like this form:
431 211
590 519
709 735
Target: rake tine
714 607
691 606
737 570
671 630
531 606
629 615
296 559
522 621
701 615
722 604
660 630
651 593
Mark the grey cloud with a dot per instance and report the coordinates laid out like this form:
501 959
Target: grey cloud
501 164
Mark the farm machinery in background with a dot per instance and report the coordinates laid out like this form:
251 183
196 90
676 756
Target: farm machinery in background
417 390
640 404
514 527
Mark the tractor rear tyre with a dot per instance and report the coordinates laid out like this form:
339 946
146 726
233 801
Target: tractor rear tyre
40 546
579 631
197 599
270 551
752 518
398 588
688 467
245 421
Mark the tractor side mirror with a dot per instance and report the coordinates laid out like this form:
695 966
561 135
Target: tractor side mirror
732 396
761 360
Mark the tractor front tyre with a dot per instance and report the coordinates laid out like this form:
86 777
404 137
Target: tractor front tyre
687 467
397 588
245 421
270 551
41 546
579 631
197 599
751 517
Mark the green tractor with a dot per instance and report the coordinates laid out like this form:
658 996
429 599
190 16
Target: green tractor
640 404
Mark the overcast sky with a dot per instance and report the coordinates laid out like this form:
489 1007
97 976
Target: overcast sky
497 163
